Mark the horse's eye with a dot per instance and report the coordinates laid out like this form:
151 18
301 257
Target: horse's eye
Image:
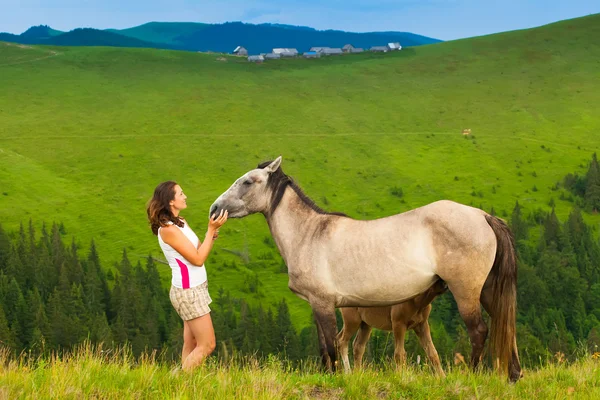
248 182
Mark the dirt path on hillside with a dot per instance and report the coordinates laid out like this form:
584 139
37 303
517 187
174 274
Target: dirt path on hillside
51 53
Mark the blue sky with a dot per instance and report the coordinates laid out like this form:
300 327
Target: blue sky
442 19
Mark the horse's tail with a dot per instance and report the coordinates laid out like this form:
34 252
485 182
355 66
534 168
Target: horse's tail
504 298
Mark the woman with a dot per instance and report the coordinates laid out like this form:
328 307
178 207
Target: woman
186 256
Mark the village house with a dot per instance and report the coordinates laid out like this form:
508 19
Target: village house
272 56
351 49
394 46
240 51
380 49
256 59
330 51
286 52
311 54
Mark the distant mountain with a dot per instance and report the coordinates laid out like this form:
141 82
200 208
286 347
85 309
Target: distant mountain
161 32
286 26
95 37
40 32
78 37
32 35
9 37
224 38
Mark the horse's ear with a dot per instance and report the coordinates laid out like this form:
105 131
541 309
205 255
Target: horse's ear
274 165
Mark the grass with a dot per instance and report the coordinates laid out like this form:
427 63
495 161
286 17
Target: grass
92 373
87 133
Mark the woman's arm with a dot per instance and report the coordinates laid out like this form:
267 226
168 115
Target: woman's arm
177 240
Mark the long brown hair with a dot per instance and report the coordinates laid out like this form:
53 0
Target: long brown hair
159 209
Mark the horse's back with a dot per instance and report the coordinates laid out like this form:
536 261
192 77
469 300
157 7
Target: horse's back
386 261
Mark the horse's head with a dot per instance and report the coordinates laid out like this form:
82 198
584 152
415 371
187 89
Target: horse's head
251 193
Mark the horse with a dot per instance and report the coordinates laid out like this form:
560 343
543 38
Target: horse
337 261
411 314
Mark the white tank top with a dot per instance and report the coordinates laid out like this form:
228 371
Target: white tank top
185 274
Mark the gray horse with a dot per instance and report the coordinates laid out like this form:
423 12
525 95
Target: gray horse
336 261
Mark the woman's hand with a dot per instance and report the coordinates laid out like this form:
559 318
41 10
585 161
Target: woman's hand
216 221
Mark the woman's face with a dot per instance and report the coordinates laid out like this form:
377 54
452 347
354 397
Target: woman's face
178 203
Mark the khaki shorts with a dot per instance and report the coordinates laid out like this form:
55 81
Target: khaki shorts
191 303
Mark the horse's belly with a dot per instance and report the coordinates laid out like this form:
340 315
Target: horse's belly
382 288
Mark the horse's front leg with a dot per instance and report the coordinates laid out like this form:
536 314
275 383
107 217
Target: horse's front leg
326 324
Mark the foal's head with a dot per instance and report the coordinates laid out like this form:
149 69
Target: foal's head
255 191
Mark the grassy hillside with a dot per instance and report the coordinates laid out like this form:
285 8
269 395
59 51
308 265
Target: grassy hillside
87 133
90 374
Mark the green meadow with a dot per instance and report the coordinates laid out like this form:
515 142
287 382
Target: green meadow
90 373
87 133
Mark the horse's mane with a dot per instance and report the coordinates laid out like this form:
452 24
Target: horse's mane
278 181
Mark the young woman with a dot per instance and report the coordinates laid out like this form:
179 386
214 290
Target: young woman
186 256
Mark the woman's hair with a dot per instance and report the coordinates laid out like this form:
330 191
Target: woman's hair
159 209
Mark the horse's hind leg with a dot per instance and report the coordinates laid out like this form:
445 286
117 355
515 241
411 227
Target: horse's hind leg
486 301
470 311
327 326
322 345
352 322
360 342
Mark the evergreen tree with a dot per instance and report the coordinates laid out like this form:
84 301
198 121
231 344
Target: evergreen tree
263 328
6 335
245 334
517 224
4 249
96 282
74 267
41 327
287 343
592 186
57 252
13 305
552 230
100 332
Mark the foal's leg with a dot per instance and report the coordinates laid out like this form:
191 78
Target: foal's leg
360 342
325 317
352 321
399 329
424 334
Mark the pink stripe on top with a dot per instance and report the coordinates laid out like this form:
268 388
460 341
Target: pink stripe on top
185 275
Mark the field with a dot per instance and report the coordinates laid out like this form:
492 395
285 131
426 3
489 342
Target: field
87 133
93 374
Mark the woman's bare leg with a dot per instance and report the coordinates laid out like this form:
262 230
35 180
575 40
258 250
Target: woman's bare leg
189 341
203 331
